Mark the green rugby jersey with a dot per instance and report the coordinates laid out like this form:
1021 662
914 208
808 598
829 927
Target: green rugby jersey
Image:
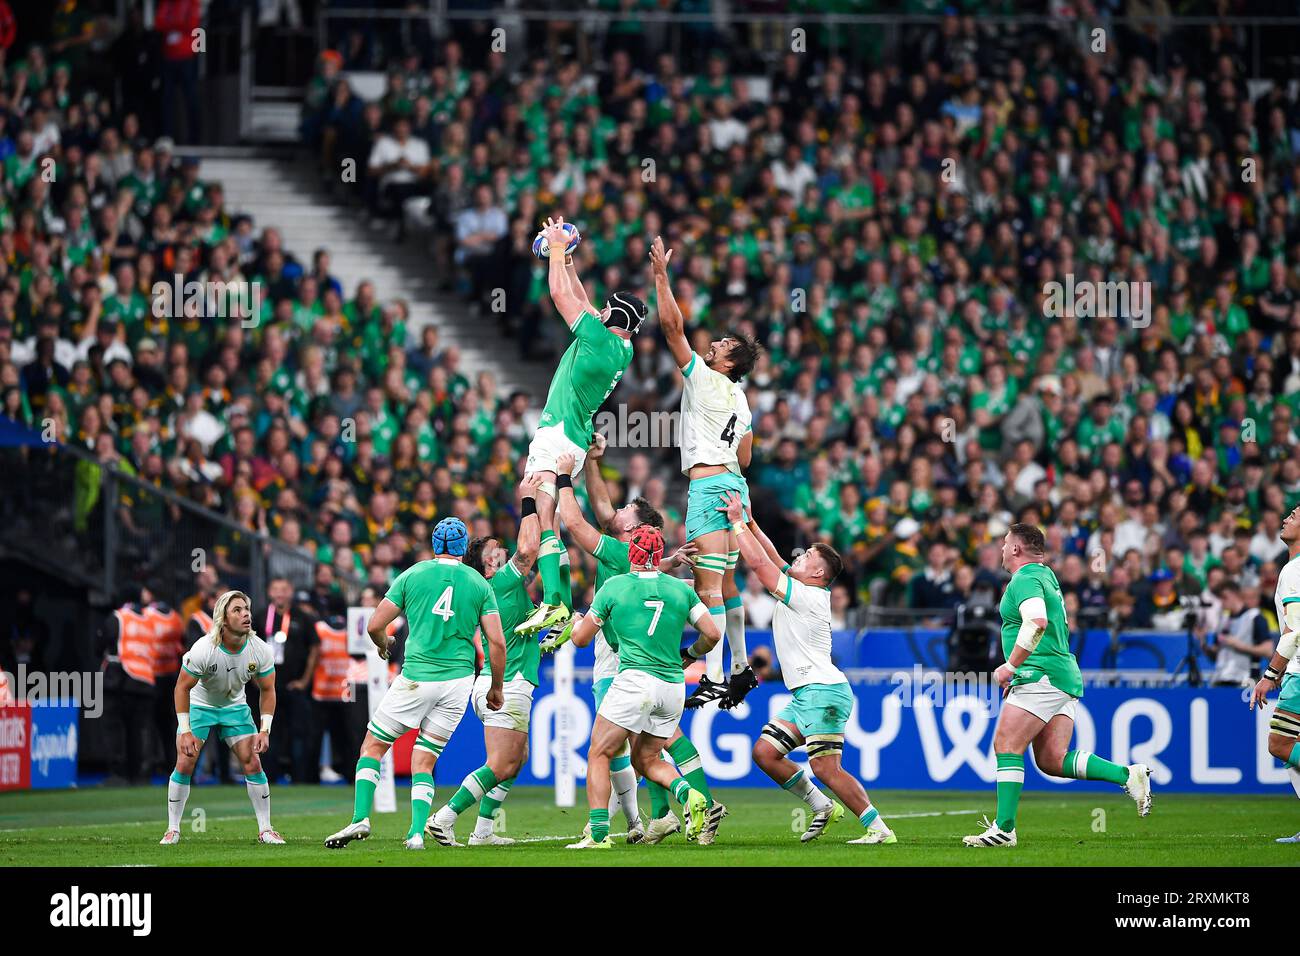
1052 657
611 560
647 612
523 653
588 371
442 601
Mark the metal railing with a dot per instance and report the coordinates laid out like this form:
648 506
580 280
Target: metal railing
98 526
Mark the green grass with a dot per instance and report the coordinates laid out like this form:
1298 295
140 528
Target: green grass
100 827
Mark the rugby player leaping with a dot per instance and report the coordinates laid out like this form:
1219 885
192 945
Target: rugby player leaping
588 371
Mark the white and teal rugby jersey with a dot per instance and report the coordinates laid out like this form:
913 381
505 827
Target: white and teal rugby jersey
222 674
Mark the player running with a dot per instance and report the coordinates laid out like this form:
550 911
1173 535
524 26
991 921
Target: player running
801 631
1041 683
444 602
210 696
643 614
716 443
1284 669
588 371
505 731
611 554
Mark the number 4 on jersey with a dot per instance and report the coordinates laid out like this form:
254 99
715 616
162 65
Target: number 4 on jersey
442 607
729 433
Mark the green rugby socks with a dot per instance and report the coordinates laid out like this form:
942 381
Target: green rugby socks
1081 765
421 802
599 820
367 779
473 789
1011 779
687 759
548 563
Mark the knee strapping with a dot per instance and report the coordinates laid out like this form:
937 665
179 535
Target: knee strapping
548 488
733 559
825 745
1284 725
780 739
715 563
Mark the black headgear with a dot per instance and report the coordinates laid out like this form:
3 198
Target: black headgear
626 312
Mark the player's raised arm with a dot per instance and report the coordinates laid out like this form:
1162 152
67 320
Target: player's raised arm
670 316
530 526
385 614
768 547
587 536
576 287
755 555
597 491
569 305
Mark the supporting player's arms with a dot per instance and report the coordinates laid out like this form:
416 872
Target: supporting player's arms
587 536
266 707
385 614
670 316
584 632
597 491
567 304
491 625
753 553
530 527
768 547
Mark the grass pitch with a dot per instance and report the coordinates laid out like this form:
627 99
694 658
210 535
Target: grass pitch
121 827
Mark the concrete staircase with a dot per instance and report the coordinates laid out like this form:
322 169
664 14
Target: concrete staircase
281 191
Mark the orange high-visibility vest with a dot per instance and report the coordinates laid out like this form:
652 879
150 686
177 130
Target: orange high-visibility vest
203 618
330 681
135 643
168 640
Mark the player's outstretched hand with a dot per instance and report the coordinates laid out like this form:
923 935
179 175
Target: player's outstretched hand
554 232
530 484
683 555
565 464
660 257
1259 696
261 743
496 698
597 447
732 506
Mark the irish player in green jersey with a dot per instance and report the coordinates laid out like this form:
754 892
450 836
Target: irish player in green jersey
716 442
611 553
445 602
210 696
588 371
505 731
1041 683
644 614
819 712
1283 672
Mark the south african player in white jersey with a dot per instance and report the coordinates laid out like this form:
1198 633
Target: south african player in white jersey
588 372
823 701
644 613
444 602
1283 671
210 696
716 442
1042 683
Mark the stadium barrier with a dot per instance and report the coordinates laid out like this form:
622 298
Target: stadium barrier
39 746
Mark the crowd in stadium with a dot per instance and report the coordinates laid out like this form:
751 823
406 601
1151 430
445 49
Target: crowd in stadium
886 232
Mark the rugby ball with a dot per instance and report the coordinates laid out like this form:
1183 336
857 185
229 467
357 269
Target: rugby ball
542 248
